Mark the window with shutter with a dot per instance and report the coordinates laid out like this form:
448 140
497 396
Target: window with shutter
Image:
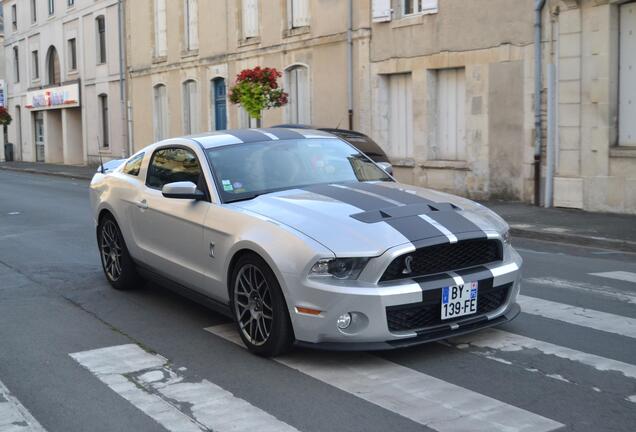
451 118
161 112
298 13
250 18
298 109
410 7
381 10
400 116
191 25
161 42
190 107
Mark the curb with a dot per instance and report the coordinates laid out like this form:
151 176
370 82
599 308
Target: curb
578 240
51 173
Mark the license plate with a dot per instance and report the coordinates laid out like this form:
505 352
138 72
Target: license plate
459 300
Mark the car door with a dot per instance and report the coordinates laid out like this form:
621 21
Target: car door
169 230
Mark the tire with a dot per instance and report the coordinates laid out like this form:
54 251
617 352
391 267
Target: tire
255 295
118 266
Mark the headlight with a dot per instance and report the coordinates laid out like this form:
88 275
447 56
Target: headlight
339 268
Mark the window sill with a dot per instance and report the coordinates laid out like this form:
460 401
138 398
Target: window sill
412 19
189 53
255 40
159 59
403 163
445 164
623 152
296 31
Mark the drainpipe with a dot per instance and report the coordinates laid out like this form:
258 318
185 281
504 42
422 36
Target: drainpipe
538 7
126 138
350 65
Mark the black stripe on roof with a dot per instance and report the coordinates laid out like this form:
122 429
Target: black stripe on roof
248 135
284 134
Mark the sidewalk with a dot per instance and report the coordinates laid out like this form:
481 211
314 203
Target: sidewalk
602 230
72 171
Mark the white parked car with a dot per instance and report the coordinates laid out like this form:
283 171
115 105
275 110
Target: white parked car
301 239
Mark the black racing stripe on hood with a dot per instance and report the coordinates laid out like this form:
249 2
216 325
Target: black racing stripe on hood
249 136
284 134
412 227
391 193
444 213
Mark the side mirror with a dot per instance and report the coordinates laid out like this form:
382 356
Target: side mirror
182 190
386 167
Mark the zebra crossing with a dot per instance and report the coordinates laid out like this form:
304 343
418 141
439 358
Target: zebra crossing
180 401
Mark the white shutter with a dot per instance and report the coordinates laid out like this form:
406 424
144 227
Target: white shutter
300 13
381 10
193 21
304 102
627 76
401 116
250 18
429 5
161 42
451 100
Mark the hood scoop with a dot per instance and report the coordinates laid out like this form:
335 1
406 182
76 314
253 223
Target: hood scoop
374 216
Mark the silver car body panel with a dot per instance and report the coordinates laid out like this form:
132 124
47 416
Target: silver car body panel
194 242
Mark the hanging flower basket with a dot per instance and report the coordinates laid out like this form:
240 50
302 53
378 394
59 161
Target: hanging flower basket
5 117
257 90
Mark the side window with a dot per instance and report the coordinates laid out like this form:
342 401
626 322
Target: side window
133 166
169 165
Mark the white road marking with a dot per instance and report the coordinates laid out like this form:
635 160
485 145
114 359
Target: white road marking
14 417
618 275
590 318
509 342
594 289
419 397
149 383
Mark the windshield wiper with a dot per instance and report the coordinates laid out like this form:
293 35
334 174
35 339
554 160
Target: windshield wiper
245 198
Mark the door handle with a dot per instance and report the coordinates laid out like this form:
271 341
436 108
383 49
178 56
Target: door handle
143 204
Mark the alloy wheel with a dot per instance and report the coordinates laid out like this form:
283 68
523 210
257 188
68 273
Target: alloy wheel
253 304
111 250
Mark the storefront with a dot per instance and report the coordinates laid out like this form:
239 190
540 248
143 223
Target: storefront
57 124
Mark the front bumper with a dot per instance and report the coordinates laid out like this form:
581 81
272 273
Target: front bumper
368 303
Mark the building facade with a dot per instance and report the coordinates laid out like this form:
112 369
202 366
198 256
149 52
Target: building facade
446 87
184 55
65 80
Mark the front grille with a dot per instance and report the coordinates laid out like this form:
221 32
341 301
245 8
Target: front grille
444 257
417 316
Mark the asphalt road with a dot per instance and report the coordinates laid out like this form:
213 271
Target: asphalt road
568 362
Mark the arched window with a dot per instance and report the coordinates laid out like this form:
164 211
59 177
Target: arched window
218 104
161 41
100 34
53 66
161 112
190 107
104 122
297 85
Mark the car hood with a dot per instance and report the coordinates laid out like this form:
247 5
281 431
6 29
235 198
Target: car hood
366 219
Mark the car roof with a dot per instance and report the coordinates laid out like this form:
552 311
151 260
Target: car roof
240 136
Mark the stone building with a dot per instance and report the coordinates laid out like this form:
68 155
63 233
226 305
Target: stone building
447 87
183 56
592 47
65 80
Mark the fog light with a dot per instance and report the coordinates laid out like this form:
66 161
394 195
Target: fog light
344 321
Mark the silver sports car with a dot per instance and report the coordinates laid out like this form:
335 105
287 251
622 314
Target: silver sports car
303 240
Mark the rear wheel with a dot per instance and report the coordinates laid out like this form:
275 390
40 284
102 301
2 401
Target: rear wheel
259 308
118 266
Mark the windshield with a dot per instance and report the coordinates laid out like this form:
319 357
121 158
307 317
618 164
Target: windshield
243 171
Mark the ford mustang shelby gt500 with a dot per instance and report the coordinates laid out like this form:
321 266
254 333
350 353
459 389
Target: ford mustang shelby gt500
302 239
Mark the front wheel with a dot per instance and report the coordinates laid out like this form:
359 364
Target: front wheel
117 263
259 308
